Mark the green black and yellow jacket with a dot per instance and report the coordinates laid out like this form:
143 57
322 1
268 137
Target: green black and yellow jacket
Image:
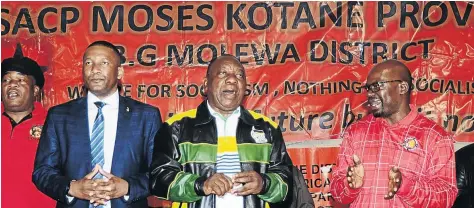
185 154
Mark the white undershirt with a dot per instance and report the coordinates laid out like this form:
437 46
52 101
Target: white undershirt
227 127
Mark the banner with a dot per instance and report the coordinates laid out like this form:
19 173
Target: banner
306 62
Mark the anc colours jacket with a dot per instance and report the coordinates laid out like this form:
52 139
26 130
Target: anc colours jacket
185 156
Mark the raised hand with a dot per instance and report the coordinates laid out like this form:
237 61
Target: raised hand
394 182
355 173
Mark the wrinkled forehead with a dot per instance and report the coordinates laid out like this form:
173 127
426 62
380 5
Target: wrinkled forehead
228 64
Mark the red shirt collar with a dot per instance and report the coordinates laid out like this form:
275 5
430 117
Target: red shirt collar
410 117
38 110
405 121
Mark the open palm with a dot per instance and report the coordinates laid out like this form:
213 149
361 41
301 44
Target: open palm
355 173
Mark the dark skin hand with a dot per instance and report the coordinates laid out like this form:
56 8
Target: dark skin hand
394 182
84 188
217 184
253 183
109 187
355 173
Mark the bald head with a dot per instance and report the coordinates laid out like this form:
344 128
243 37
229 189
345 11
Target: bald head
388 90
394 69
223 57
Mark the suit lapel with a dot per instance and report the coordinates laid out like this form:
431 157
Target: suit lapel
123 132
80 132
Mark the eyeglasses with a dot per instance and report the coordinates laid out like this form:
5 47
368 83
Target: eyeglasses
375 87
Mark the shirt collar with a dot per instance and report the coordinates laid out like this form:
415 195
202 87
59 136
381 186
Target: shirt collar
36 108
110 101
406 120
410 117
13 122
215 114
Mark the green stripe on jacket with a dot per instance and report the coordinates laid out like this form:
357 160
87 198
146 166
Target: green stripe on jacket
207 153
197 153
182 188
277 191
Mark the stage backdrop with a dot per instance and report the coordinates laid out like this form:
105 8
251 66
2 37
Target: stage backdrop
305 61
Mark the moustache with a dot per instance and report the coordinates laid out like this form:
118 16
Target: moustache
96 78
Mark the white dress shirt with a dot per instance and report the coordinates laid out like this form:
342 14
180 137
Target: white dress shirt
110 113
225 126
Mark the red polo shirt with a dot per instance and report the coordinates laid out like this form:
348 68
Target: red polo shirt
18 156
422 150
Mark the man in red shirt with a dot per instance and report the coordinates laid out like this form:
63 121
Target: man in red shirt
394 157
22 121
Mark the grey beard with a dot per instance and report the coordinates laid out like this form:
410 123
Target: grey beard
380 113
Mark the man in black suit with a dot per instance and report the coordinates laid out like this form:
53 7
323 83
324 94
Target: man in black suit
96 150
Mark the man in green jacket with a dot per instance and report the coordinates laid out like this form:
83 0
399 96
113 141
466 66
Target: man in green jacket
220 154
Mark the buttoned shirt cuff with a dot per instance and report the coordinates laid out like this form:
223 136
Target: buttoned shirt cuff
126 197
69 198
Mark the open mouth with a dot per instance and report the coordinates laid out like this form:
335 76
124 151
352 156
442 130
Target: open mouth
12 94
229 93
374 103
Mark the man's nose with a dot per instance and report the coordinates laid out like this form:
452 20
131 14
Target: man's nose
13 83
231 79
95 68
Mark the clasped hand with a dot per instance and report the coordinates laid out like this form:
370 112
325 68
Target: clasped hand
98 191
242 184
